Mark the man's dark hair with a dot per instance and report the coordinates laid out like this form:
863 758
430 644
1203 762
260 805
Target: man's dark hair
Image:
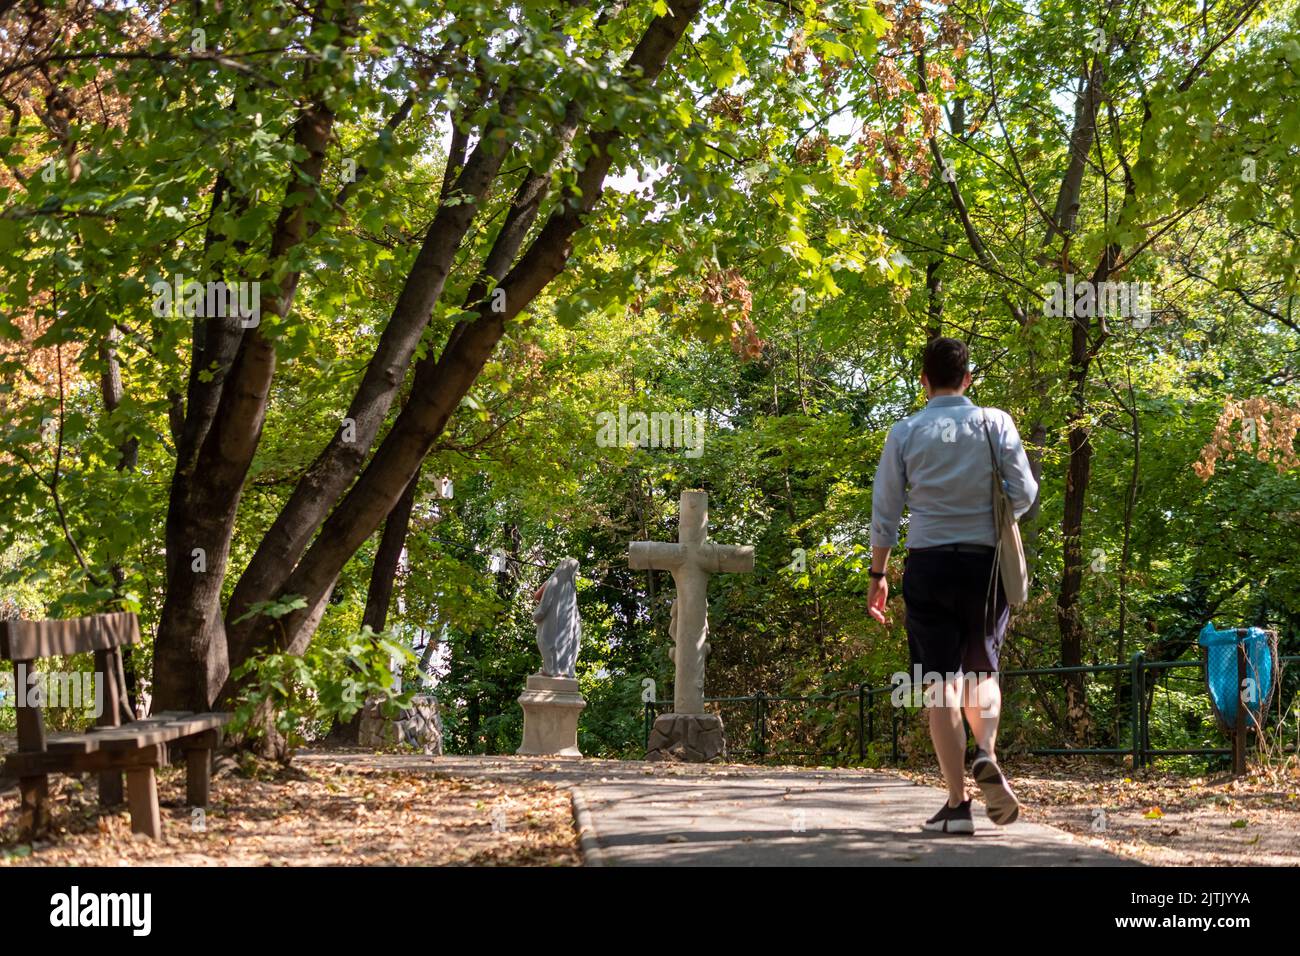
946 362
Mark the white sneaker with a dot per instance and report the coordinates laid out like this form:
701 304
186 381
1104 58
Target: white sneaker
951 820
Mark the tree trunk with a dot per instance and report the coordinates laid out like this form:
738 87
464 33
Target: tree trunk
338 464
1078 470
110 388
1069 619
933 299
1065 215
438 387
383 575
387 557
1083 348
231 369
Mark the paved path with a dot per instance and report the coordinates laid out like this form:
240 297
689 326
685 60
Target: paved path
632 813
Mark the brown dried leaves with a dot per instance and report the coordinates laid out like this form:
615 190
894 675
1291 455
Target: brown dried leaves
1267 432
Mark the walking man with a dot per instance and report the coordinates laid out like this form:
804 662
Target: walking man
939 463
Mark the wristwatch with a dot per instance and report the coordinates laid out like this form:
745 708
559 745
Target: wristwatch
877 574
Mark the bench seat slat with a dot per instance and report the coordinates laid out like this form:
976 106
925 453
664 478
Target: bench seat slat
161 728
154 720
157 730
71 744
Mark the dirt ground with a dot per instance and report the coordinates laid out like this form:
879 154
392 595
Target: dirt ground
322 816
1163 819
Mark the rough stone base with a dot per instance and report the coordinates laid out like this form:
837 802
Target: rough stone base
551 708
687 738
418 726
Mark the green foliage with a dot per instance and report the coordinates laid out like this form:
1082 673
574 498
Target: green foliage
331 682
776 187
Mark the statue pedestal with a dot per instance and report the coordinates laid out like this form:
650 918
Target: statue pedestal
687 738
551 708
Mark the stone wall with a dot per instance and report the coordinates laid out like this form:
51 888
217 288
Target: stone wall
417 726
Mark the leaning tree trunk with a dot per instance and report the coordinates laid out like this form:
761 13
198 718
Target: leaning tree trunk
438 387
231 368
387 557
383 576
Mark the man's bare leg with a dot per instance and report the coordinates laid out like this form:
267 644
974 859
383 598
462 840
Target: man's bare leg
949 738
982 705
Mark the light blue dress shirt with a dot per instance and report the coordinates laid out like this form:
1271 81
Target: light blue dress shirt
937 463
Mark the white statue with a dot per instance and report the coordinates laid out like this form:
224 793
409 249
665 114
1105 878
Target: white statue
559 629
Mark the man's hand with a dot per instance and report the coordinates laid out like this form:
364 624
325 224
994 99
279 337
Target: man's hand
877 594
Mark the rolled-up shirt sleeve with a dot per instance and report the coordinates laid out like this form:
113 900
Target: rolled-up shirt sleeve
1017 478
888 493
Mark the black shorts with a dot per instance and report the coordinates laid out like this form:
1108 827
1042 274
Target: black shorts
953 624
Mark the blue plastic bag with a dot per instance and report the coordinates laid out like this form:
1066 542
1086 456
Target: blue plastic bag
1221 671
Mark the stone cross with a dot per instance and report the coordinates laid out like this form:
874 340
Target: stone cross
691 560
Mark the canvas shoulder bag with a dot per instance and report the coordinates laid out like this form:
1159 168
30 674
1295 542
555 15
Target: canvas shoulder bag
1009 559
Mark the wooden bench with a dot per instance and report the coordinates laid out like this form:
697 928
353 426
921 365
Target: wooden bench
118 743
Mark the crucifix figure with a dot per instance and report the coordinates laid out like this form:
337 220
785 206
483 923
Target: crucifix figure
691 560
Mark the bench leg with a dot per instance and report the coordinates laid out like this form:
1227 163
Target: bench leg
110 788
142 793
198 774
33 806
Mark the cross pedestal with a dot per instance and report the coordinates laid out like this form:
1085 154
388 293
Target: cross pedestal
689 733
